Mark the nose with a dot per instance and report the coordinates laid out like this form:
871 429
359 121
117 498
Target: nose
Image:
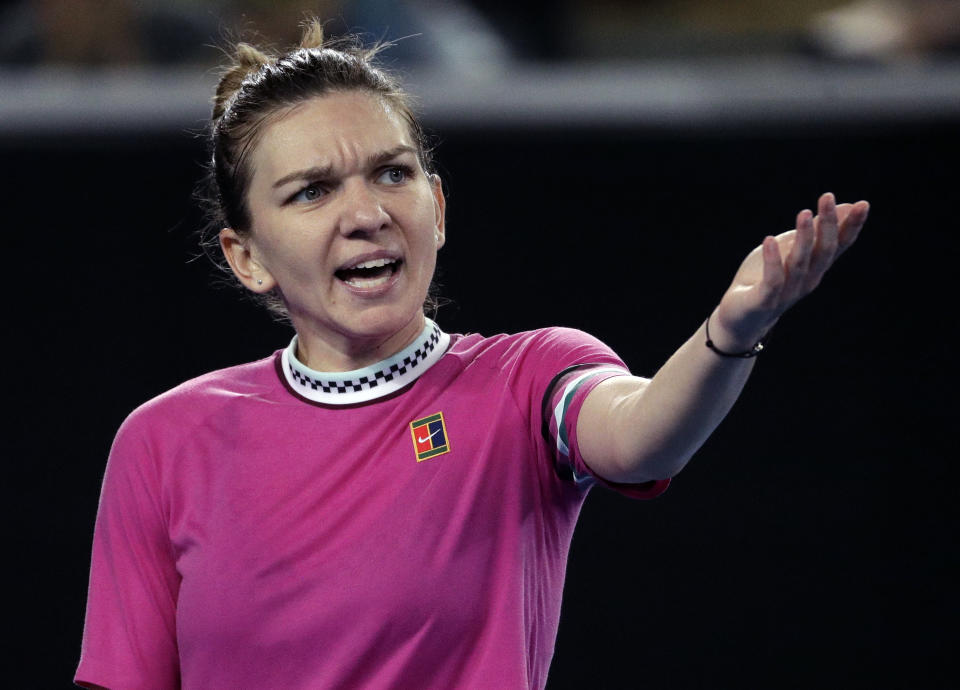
363 211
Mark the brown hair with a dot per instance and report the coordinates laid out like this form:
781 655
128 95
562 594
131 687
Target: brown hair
253 88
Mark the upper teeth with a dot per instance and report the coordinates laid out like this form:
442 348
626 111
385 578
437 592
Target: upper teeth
375 263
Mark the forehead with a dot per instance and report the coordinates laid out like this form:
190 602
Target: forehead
338 129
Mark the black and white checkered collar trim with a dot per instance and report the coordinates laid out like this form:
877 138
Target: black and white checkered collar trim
369 383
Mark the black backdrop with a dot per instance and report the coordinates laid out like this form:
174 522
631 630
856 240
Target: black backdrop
811 543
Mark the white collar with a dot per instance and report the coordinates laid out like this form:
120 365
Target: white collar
369 383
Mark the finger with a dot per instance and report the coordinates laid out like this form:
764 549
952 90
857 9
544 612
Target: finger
851 225
798 260
843 210
774 274
786 240
826 229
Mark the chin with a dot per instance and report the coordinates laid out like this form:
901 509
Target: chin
381 322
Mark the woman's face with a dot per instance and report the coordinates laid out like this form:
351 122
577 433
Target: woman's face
345 223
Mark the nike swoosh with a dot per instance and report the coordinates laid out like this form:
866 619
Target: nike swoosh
425 438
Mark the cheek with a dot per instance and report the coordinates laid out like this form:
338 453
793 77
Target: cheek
292 254
428 263
427 242
426 221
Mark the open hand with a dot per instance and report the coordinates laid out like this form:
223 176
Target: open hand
775 275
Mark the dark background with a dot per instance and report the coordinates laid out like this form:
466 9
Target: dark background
811 543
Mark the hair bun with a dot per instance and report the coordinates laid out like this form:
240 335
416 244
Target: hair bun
246 60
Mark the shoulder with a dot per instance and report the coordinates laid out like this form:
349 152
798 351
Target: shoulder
195 399
560 345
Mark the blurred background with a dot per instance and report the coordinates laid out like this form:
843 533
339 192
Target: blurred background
608 165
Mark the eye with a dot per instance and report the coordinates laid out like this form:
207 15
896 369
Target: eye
396 174
311 192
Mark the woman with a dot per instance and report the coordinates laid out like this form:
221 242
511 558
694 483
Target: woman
382 504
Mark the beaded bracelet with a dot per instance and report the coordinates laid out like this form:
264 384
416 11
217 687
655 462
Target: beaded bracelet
752 352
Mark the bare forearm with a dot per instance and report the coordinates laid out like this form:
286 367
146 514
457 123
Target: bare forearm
652 429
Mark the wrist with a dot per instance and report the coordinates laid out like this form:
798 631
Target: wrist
745 342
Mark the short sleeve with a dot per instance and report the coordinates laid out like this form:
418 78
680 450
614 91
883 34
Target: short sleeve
562 403
129 636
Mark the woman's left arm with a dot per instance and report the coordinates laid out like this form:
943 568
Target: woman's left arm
632 430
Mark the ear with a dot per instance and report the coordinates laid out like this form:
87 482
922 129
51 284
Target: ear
245 267
440 206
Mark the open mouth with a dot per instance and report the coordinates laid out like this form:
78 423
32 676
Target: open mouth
370 274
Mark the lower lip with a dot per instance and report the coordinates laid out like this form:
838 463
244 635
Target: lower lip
375 290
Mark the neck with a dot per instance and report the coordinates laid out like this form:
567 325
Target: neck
350 353
367 384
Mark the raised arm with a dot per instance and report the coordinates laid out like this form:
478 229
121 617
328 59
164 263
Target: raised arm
633 429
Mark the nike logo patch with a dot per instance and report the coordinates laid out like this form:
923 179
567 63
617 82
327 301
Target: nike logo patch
429 436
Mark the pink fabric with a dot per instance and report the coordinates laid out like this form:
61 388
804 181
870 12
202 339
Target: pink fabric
248 538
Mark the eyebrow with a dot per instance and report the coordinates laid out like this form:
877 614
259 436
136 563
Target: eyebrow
321 172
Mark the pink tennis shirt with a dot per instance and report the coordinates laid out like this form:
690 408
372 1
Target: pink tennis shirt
402 526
